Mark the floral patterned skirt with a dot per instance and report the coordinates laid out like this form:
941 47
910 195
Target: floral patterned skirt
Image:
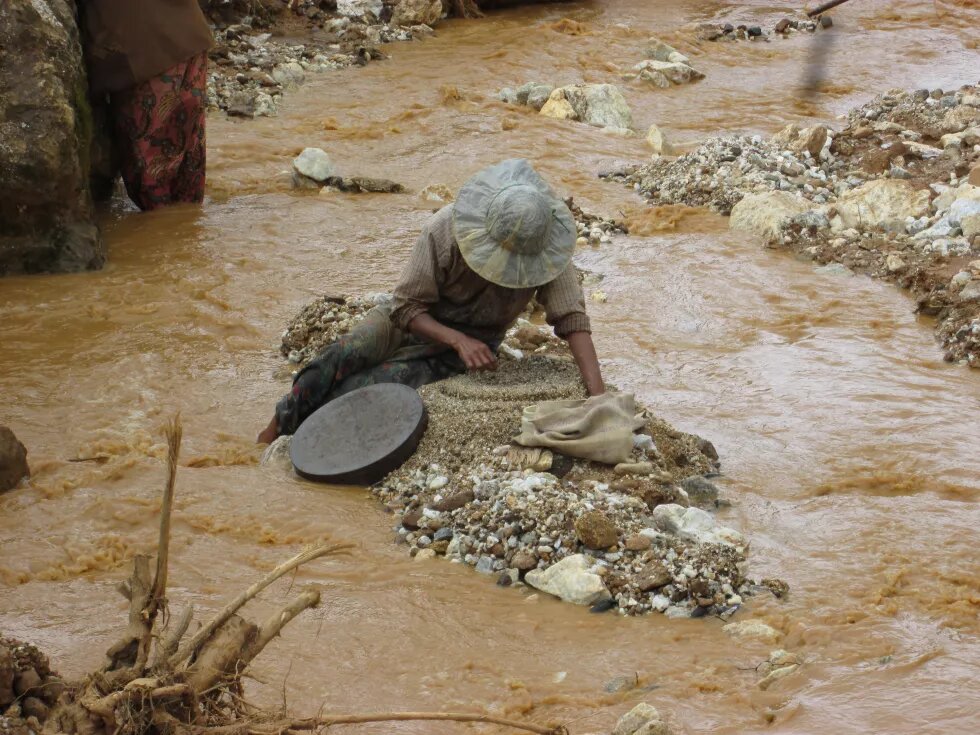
159 131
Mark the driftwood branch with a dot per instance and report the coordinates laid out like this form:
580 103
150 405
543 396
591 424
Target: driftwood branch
105 707
171 637
123 653
129 654
315 723
188 649
174 433
158 591
272 627
401 716
220 655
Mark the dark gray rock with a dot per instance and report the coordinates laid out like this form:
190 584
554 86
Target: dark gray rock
13 460
700 491
45 143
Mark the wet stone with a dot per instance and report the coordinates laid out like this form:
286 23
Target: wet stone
13 460
595 530
524 560
601 606
485 565
27 682
638 542
453 502
700 491
654 575
778 587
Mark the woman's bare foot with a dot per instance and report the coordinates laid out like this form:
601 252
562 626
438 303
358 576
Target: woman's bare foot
269 434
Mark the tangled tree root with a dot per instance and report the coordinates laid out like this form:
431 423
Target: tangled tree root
160 681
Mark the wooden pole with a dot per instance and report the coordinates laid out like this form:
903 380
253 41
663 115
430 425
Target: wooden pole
820 9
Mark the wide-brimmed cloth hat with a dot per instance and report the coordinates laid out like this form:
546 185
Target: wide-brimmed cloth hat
511 228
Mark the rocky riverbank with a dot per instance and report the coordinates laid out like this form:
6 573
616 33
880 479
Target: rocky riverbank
258 58
265 48
894 193
638 537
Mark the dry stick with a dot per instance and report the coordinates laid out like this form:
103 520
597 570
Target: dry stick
315 722
174 432
271 628
232 607
825 7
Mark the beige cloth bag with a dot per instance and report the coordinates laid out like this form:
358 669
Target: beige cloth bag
599 428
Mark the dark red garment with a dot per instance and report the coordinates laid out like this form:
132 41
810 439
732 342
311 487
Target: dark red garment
129 41
159 135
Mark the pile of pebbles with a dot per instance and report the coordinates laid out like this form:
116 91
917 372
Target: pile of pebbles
472 497
250 70
28 688
593 229
322 321
783 28
643 531
905 166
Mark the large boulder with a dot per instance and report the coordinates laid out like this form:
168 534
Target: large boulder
416 12
602 105
45 136
13 460
767 214
882 204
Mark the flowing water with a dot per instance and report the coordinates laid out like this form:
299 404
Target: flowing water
850 450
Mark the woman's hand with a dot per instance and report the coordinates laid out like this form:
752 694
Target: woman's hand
475 354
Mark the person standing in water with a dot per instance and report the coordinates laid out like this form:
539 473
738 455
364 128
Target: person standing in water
476 266
148 60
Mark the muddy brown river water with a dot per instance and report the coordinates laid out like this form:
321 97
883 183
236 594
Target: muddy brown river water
850 450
